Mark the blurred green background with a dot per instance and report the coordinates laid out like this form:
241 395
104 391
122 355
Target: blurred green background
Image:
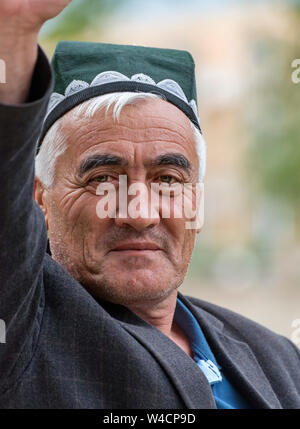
247 256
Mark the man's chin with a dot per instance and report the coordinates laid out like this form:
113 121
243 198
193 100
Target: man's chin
134 298
130 290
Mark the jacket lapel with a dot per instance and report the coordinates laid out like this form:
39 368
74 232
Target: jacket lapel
234 356
183 372
237 359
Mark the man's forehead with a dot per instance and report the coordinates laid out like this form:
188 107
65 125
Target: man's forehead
154 121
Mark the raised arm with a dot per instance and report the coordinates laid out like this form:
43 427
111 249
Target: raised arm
20 23
23 100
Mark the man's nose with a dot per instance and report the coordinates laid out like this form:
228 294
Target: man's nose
135 209
139 223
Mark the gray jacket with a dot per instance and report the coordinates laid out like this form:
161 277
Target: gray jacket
65 349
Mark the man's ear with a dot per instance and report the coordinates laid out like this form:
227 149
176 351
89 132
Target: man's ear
39 191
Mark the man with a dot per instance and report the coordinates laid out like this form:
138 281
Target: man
100 324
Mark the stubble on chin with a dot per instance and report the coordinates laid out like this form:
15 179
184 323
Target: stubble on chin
129 291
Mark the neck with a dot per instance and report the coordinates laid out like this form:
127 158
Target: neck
161 314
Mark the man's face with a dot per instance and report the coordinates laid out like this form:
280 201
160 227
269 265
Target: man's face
123 260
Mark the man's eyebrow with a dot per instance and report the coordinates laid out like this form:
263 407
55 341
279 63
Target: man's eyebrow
98 160
176 159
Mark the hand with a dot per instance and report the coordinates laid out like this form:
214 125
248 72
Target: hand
29 15
20 23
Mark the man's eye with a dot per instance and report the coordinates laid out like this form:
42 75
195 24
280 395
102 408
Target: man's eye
166 179
101 179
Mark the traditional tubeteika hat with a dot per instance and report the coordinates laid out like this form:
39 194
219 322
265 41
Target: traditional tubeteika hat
85 70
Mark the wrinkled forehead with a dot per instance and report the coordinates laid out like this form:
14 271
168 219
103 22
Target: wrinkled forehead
155 126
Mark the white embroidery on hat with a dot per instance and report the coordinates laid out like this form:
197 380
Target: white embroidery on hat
107 77
193 105
173 87
55 99
75 86
141 77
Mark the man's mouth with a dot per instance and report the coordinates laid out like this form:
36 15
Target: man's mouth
136 247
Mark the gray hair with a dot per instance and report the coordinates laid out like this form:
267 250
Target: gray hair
54 143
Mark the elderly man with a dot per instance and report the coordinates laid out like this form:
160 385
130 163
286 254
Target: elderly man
97 321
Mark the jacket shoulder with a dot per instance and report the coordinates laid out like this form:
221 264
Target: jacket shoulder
244 329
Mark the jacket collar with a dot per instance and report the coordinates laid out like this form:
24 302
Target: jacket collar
234 356
190 383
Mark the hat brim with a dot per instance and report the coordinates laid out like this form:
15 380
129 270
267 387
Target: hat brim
127 86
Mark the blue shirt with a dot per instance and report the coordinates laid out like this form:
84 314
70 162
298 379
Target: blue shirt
226 396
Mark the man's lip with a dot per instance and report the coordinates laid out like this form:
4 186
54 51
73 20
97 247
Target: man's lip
136 246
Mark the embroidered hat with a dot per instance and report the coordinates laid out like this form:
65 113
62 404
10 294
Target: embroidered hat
85 70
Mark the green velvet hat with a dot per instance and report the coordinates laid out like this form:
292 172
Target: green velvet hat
85 70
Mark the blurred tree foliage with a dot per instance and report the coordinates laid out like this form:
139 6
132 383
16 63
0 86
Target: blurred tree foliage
79 16
274 153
